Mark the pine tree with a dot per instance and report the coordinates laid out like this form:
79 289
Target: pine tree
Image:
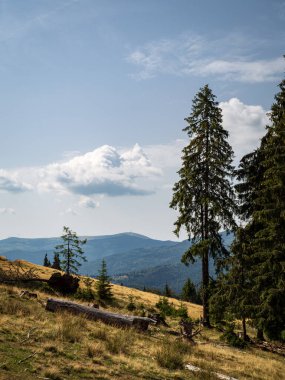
71 251
56 262
189 292
167 291
269 242
234 296
204 195
261 193
103 286
46 261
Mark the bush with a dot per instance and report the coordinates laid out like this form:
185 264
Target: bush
65 284
165 308
182 312
85 294
131 306
230 337
168 309
171 355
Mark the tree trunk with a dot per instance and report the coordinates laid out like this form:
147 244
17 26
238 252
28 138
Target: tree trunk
244 329
141 323
205 273
259 335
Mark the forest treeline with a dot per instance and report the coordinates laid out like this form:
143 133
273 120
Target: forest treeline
211 195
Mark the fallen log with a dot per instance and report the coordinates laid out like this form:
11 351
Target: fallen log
121 320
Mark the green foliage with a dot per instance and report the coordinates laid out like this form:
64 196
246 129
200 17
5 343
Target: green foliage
167 291
131 306
182 311
103 286
85 294
56 262
230 337
70 250
262 196
168 309
189 292
46 261
204 195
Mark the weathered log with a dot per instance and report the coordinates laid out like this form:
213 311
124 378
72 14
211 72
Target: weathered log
121 320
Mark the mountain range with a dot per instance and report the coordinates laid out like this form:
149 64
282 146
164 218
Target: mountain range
132 259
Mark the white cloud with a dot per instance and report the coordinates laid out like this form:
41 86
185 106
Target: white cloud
69 211
245 123
190 54
88 203
10 183
7 210
102 171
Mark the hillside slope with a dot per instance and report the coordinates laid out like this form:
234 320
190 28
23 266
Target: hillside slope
37 344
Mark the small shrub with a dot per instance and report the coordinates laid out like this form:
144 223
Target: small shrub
65 284
230 337
182 311
165 308
131 306
85 294
171 355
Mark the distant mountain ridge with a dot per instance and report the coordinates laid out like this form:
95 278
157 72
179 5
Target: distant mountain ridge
132 259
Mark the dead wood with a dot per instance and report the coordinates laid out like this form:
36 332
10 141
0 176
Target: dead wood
121 320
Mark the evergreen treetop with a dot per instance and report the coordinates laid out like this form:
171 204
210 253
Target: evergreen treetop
71 251
204 195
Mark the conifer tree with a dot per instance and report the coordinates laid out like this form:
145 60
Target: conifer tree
56 262
234 296
46 261
103 286
189 292
167 291
261 192
204 195
71 251
269 242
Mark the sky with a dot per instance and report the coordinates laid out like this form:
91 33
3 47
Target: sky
93 98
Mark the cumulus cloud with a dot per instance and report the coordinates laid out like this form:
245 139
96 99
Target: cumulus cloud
103 171
10 183
245 123
190 54
88 203
7 210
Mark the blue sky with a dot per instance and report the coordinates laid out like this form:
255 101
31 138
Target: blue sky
93 100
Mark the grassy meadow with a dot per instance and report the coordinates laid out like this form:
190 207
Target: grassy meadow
37 344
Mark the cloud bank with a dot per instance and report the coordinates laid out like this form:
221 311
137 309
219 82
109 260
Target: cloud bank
103 171
190 54
10 183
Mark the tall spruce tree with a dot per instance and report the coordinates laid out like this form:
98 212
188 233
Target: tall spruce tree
71 251
261 193
269 243
204 195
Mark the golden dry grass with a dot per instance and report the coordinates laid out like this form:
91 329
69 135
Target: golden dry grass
61 346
